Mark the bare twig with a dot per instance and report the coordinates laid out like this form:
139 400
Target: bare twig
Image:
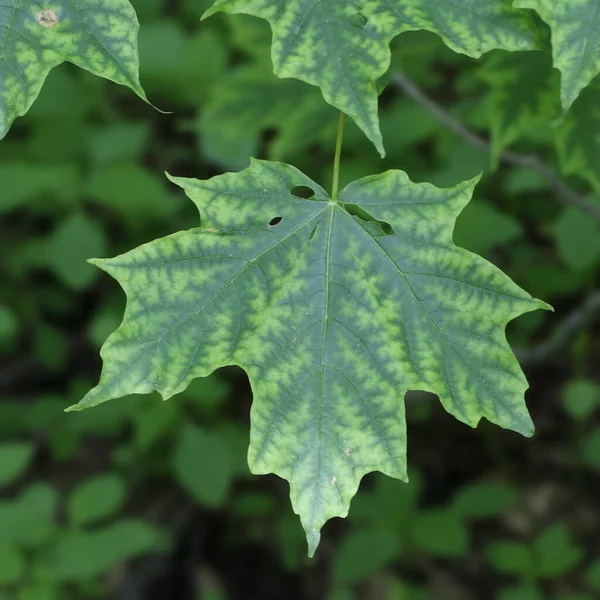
577 320
564 193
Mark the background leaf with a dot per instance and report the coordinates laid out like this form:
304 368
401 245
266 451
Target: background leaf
14 461
96 499
202 465
98 36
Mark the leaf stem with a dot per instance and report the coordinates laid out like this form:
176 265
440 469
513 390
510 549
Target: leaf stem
338 155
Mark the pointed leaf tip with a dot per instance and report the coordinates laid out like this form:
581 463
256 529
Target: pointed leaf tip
313 538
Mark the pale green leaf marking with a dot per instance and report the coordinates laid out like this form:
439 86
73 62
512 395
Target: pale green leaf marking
333 317
575 26
38 35
343 47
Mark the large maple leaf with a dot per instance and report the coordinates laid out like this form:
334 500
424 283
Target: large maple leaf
38 35
334 308
343 47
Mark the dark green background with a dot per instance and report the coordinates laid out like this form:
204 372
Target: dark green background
140 499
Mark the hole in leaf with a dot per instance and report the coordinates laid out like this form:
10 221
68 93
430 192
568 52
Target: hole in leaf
275 221
302 191
359 21
363 215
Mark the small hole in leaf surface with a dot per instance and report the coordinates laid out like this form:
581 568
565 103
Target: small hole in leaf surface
275 221
363 215
302 191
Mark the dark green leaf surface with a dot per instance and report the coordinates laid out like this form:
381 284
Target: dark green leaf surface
36 36
580 398
202 465
82 554
364 553
14 461
425 533
555 552
577 239
333 317
12 565
231 124
95 499
343 47
484 500
524 95
575 26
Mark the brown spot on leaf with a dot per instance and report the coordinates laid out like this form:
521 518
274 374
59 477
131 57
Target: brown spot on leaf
47 18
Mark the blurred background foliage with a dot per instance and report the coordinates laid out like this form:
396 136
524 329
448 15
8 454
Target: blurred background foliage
140 499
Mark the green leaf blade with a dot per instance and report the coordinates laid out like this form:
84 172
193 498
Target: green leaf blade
95 499
343 47
35 37
202 465
575 27
332 316
15 458
524 95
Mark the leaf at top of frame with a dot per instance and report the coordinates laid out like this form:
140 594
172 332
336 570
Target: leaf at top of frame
343 46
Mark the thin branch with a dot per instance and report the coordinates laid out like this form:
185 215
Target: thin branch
578 319
564 193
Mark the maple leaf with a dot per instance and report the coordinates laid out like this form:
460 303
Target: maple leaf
343 47
334 308
38 35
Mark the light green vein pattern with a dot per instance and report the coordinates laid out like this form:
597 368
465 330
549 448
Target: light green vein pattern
36 36
575 26
332 319
343 46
